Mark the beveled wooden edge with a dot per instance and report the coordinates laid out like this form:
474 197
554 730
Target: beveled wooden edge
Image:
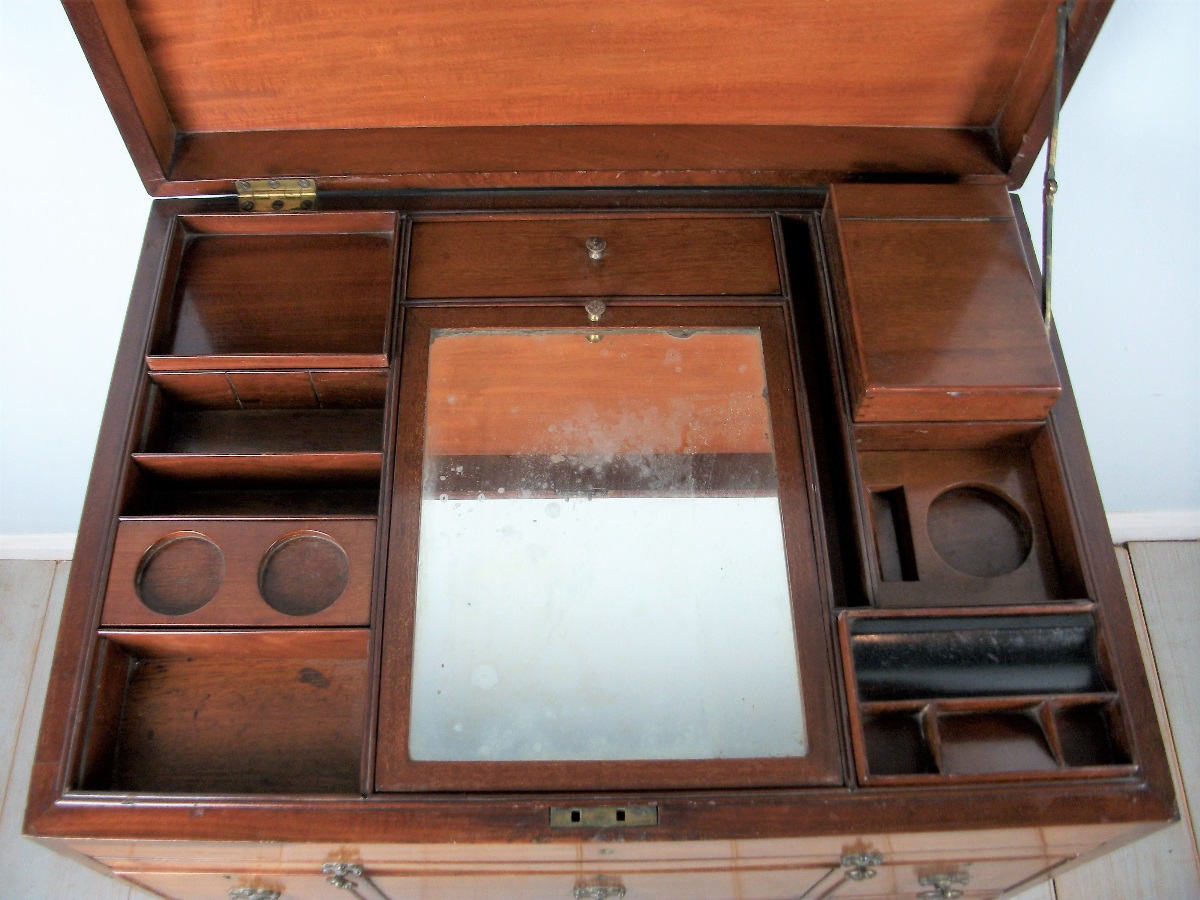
76 641
524 818
1100 573
809 456
870 436
328 221
398 773
280 643
1020 138
402 245
114 51
265 361
531 156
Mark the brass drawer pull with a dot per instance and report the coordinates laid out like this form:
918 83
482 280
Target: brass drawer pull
943 886
338 874
858 865
595 247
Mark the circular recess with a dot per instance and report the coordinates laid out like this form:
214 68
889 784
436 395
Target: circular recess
180 573
303 573
978 532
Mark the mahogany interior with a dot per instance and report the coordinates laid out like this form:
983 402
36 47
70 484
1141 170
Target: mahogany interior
981 697
228 714
473 63
315 285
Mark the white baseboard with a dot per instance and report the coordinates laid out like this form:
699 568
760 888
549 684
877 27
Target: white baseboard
1168 525
37 546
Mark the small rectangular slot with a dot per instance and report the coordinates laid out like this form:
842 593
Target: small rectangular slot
277 294
158 497
896 745
1086 735
993 741
176 708
893 535
272 431
603 816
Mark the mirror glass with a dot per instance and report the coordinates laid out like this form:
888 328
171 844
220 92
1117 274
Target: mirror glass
601 571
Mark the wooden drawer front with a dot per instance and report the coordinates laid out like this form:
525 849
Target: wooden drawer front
987 878
642 257
713 885
217 886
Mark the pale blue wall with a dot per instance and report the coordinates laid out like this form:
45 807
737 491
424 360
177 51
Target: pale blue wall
1127 249
1127 253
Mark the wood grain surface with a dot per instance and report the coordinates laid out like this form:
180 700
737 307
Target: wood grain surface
548 258
939 318
924 476
468 63
242 551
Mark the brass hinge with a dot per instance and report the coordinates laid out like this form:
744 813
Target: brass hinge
276 194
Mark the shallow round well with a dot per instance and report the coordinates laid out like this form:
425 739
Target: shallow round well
180 573
303 573
978 532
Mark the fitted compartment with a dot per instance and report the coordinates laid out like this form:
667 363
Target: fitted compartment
231 712
981 697
193 435
938 317
977 656
277 290
962 515
243 572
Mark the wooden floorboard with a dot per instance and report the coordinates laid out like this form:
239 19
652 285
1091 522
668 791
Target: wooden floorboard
27 869
24 589
1168 579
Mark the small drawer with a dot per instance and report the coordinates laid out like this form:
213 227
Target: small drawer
594 256
248 572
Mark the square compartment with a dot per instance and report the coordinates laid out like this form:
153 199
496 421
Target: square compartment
1090 734
896 745
227 713
275 291
965 516
993 741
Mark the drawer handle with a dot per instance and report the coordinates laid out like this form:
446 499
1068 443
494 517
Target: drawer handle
943 886
858 865
253 893
594 309
338 874
595 247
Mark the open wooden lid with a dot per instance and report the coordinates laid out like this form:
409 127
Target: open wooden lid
464 93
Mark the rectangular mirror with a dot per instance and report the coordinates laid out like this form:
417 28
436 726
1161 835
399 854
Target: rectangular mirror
599 513
602 564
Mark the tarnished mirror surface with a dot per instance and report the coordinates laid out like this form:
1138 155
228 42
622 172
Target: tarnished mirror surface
601 569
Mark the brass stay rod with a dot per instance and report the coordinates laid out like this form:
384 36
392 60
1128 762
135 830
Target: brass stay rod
1050 182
